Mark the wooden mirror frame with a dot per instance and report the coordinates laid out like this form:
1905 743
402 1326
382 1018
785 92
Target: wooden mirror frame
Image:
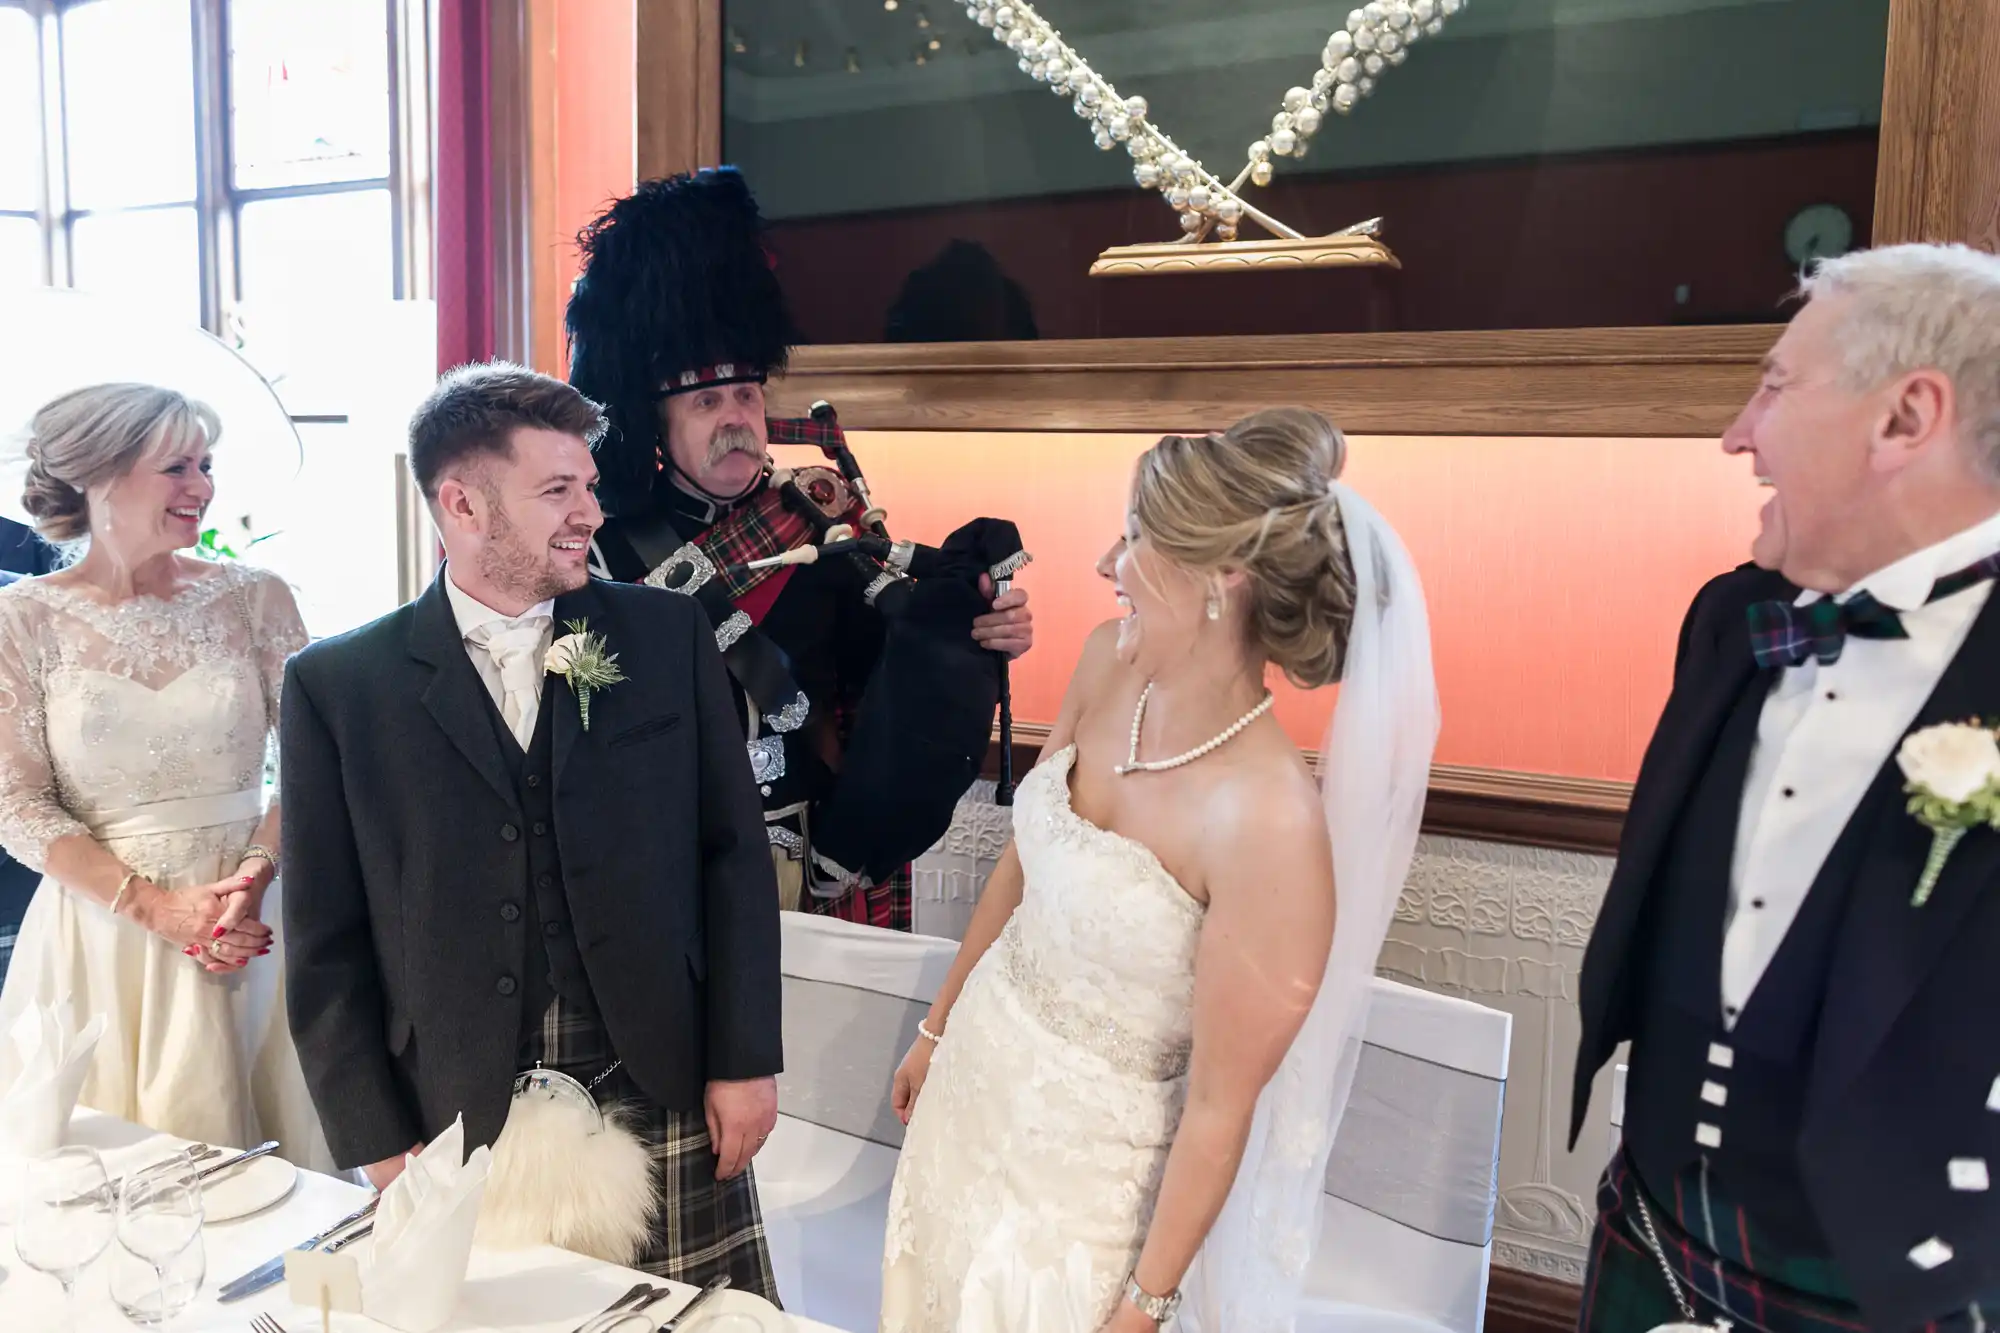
1938 178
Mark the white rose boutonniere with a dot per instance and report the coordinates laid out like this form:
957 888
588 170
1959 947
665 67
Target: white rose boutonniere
1953 778
580 657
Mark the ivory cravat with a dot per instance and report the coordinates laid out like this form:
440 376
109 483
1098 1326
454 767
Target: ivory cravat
516 647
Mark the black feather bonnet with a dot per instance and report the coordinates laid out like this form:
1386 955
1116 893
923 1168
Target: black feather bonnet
677 291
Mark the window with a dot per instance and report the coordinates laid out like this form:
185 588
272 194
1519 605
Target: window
1568 163
204 157
245 164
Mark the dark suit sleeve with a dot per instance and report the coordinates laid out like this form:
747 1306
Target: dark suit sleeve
738 886
333 987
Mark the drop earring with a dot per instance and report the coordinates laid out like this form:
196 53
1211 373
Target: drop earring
1214 607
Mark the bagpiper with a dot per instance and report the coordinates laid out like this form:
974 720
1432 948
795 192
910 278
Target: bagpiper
869 676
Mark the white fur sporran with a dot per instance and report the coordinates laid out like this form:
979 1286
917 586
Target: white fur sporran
568 1173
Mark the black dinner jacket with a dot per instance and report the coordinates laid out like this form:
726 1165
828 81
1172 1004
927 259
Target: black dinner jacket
1905 1068
405 869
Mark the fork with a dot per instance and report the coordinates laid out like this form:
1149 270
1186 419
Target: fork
263 1323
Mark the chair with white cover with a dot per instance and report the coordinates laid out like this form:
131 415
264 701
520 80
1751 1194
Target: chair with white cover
853 997
1408 1220
1406 1237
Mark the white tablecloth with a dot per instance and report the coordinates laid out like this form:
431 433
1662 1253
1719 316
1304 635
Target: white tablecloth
543 1290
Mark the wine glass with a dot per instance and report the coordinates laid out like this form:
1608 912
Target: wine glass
66 1218
158 1263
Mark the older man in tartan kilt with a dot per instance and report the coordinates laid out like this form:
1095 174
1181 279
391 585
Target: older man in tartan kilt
676 322
1813 1097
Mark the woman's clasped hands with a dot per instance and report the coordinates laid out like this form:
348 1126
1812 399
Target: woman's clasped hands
215 924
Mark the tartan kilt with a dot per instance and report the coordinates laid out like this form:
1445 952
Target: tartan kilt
889 904
1722 1263
705 1227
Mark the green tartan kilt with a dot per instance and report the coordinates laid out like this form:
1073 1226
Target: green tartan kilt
1625 1291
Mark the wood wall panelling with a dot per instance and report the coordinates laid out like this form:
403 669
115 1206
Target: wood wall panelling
679 86
1618 382
1518 1302
1939 173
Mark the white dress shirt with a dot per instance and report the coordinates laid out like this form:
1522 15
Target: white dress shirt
1823 735
507 651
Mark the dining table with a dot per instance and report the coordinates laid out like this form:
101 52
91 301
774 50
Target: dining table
537 1290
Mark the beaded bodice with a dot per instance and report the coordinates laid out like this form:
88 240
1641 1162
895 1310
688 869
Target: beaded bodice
111 707
1102 946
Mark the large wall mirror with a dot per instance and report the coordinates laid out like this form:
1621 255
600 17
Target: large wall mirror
1538 164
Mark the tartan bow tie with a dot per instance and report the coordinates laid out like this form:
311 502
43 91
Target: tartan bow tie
1785 634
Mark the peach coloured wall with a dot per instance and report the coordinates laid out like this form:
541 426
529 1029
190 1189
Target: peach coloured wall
595 52
1557 570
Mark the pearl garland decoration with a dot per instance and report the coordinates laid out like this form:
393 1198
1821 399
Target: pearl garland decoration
1377 35
1132 764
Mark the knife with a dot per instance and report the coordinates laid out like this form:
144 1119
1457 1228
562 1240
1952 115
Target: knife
265 1148
702 1298
634 1293
272 1271
611 1320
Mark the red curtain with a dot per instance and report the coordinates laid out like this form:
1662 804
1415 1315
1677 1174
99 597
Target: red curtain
464 213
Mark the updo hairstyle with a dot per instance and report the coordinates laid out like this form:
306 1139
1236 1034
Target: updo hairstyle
95 435
1259 498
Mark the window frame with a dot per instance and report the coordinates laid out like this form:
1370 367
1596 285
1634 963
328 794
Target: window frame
218 201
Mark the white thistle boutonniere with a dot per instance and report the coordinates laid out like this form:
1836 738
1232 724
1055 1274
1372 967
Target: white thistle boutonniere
1953 773
579 657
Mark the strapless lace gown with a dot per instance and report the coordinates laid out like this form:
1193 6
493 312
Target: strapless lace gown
1028 1176
147 725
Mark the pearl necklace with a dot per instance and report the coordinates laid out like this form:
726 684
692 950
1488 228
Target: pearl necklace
1132 764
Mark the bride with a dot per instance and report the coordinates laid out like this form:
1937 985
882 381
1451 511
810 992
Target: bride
1122 1102
138 693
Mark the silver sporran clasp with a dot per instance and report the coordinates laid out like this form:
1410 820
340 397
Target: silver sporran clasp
557 1086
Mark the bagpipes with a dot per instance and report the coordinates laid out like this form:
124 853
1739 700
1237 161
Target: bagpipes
896 571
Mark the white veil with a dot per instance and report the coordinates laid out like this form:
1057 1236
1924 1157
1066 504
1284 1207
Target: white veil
1374 770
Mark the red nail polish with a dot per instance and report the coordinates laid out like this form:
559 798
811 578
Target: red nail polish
220 932
189 951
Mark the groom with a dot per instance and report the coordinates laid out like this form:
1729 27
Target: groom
476 881
1812 1118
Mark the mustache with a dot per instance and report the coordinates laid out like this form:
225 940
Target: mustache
733 439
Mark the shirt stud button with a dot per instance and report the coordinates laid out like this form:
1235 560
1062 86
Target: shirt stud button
1931 1254
1790 793
1968 1174
1708 1136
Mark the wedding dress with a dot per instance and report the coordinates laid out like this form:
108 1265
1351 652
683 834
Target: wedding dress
1035 1152
148 725
1033 1159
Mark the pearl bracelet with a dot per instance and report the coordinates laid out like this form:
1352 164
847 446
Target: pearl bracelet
932 1037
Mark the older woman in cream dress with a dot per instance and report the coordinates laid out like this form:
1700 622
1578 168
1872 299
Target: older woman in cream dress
138 695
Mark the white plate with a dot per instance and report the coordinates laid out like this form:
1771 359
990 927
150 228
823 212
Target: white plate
769 1319
246 1189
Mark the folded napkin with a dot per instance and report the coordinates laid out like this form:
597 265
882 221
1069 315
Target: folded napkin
52 1059
423 1235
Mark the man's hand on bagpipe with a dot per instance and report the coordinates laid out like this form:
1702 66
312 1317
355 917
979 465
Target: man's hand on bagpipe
1009 628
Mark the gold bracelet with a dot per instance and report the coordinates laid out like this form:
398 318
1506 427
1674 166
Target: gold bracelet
123 885
932 1037
259 852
